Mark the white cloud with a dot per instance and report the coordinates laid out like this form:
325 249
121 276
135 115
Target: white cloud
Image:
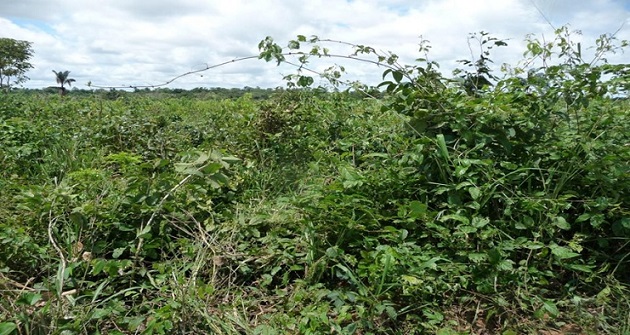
121 42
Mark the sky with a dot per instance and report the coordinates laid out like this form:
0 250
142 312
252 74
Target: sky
135 43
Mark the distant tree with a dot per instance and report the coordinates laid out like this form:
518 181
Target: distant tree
62 79
14 61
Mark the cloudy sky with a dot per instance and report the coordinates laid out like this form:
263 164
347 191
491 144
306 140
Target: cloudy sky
129 43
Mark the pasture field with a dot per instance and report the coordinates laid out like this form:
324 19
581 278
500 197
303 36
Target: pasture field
435 208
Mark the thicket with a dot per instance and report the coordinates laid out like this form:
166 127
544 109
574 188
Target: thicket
458 205
201 93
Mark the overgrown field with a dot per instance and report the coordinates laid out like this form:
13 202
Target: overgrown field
440 208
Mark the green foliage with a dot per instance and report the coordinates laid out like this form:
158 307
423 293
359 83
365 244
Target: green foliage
449 206
14 61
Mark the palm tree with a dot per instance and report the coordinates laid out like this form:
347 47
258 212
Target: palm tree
62 79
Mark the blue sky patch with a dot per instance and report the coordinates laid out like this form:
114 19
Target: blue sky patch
30 24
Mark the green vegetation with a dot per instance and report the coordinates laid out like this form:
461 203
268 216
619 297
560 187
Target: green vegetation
14 61
199 93
450 205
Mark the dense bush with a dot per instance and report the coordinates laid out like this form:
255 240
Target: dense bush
452 205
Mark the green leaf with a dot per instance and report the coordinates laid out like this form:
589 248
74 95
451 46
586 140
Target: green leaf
479 222
187 170
597 220
520 226
142 233
411 280
211 168
332 252
403 234
475 192
99 265
398 76
581 268
118 251
350 329
602 296
551 308
29 298
293 45
385 73
466 229
231 159
7 328
214 183
494 256
583 217
375 154
476 257
417 209
561 223
305 81
533 245
506 265
463 184
455 217
351 177
433 315
100 313
98 290
391 312
431 264
442 146
203 157
562 252
461 170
